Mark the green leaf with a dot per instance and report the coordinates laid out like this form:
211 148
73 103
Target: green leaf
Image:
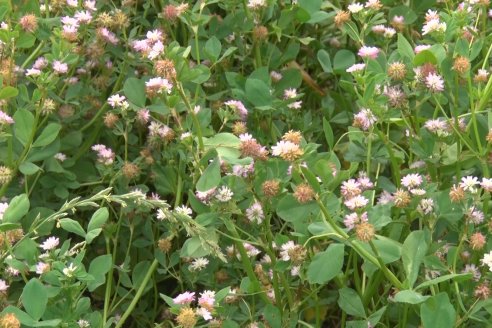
98 219
258 92
49 134
325 61
24 123
8 92
210 177
388 249
343 60
310 6
28 168
92 234
98 269
350 302
425 56
72 226
25 41
290 210
407 13
410 297
18 207
273 316
330 139
9 226
414 250
379 215
455 276
134 90
326 265
437 311
404 47
212 48
193 247
23 317
34 298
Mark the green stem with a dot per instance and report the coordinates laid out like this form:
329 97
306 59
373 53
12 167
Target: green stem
375 260
199 133
139 293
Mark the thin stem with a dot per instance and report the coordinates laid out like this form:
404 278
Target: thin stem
139 293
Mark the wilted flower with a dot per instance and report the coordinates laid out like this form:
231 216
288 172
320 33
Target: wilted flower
477 241
186 317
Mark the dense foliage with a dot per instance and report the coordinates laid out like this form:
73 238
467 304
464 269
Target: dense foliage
245 163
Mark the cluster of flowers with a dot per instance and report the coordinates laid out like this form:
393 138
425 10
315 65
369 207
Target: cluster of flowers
187 316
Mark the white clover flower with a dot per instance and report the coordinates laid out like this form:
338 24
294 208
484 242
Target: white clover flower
255 213
70 270
83 323
412 180
468 183
3 286
355 7
487 260
198 264
50 243
183 210
224 194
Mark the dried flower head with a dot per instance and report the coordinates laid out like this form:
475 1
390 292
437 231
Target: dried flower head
186 317
260 33
477 241
364 231
304 193
165 244
482 291
29 23
461 64
293 136
239 127
9 320
6 175
397 71
110 120
342 17
166 69
270 188
130 170
401 198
